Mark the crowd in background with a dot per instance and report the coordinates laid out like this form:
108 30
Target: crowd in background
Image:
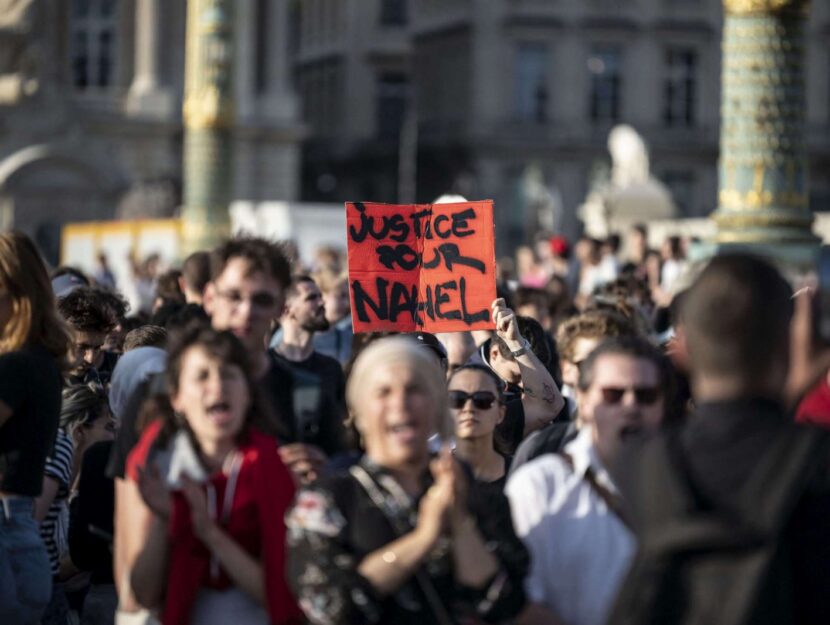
622 448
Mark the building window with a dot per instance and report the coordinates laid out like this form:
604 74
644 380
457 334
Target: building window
393 12
92 40
680 87
392 99
531 82
604 64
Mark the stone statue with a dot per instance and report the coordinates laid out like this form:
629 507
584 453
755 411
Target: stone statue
19 52
629 157
631 194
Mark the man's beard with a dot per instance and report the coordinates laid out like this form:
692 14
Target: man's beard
317 324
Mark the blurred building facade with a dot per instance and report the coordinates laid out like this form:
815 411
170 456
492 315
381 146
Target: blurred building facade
514 96
91 110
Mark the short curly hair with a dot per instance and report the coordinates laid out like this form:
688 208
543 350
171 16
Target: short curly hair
89 309
594 324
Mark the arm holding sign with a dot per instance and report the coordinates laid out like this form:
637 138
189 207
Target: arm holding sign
541 398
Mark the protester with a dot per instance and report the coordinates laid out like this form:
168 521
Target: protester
103 274
246 292
194 277
745 489
477 406
320 411
85 419
91 533
34 346
566 506
168 289
397 538
518 353
138 375
460 347
90 316
337 340
145 336
576 339
217 490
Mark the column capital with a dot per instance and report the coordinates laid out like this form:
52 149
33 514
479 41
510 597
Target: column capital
749 7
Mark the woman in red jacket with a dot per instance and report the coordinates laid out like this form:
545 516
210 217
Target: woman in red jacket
218 491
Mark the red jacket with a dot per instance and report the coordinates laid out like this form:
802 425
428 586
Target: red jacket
815 407
264 491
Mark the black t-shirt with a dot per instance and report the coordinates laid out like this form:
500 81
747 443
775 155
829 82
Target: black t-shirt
91 512
510 432
317 395
30 384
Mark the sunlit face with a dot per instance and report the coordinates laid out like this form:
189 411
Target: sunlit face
336 302
396 415
244 303
86 350
213 396
611 408
305 307
470 420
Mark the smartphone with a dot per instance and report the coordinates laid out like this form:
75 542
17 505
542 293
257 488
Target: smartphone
823 295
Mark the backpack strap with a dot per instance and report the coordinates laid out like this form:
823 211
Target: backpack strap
612 500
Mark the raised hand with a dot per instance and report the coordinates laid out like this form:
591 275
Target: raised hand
505 319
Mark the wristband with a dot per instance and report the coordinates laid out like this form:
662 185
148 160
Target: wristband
522 350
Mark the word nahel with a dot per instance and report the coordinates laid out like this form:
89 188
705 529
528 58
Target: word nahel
421 267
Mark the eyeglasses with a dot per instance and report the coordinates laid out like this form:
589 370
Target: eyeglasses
260 299
481 399
643 395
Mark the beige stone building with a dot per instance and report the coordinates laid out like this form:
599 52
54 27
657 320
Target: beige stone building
514 96
90 110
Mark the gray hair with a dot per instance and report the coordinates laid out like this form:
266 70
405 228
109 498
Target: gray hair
400 349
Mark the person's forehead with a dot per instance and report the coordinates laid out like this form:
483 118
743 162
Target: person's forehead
240 274
624 370
470 379
89 337
308 289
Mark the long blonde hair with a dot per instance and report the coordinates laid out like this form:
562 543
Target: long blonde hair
34 317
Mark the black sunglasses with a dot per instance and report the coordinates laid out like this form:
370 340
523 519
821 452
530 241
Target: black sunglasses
643 395
481 399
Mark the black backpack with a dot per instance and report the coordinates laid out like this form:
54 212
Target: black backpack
704 564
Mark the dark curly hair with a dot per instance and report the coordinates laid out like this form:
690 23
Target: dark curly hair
90 309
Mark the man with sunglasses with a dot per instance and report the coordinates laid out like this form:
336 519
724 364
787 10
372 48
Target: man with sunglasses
567 509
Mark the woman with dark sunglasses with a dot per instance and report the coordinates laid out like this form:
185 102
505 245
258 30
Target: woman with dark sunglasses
477 407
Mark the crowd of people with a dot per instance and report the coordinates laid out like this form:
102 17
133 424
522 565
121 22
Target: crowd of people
628 446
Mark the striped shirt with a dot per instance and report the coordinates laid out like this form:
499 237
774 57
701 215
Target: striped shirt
54 529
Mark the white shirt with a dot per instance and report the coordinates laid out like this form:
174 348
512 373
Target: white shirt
580 550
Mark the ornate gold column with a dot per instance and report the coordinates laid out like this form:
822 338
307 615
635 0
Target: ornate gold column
763 199
208 121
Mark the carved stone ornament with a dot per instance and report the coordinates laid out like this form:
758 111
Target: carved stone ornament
744 7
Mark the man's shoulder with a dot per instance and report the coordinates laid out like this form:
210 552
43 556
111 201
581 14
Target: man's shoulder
323 362
540 475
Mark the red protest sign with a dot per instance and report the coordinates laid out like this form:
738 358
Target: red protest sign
427 267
